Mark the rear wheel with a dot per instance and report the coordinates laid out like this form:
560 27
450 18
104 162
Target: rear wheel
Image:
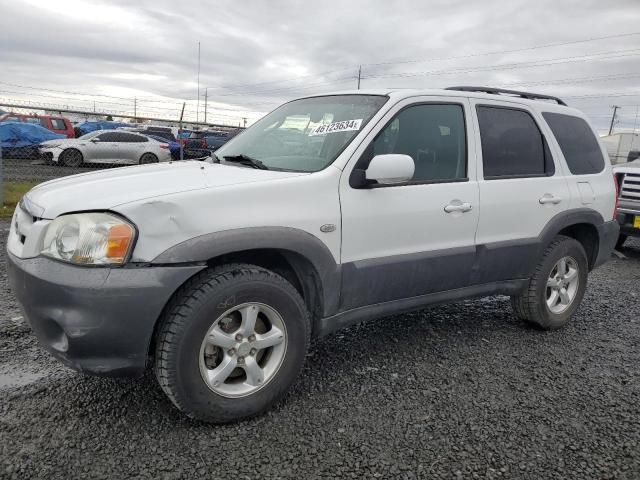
232 343
148 158
71 158
558 284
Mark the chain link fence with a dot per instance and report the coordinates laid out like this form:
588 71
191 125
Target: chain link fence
21 168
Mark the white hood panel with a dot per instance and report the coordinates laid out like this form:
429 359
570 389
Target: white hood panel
106 189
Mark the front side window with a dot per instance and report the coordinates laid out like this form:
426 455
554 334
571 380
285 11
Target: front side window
108 137
305 135
512 144
433 135
577 142
34 120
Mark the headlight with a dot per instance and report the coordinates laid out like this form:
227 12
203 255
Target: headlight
89 239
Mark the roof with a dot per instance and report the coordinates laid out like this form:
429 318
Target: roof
402 93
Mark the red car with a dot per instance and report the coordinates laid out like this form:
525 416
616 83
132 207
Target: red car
56 124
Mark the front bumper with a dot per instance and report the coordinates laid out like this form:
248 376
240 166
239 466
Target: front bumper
50 154
608 233
95 320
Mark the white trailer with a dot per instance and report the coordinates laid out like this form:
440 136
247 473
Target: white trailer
620 144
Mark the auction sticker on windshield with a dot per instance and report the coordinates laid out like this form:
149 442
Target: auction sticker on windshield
342 126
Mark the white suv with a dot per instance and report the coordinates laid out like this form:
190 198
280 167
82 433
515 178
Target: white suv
330 210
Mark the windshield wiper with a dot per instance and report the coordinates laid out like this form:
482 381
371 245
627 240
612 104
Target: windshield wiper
246 160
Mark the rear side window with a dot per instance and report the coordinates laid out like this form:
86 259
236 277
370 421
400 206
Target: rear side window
512 144
58 124
577 142
130 138
34 120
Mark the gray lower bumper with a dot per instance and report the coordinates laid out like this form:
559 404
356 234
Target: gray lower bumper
96 320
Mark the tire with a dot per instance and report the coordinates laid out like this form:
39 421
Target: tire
148 158
71 157
620 242
532 304
197 310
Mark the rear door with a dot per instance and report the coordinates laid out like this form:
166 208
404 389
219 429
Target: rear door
131 147
522 187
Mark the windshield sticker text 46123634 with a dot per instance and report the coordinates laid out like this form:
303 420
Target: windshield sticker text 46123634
342 126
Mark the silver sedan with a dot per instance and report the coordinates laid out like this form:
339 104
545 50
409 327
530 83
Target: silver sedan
106 146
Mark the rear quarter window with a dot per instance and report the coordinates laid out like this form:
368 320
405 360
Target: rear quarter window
577 142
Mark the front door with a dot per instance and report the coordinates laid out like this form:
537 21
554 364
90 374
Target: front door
411 239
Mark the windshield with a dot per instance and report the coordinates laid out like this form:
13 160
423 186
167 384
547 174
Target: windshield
305 135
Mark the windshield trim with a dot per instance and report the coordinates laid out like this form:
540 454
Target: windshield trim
340 151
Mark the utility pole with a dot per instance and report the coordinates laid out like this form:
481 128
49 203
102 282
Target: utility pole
613 118
198 96
359 75
244 119
206 91
180 131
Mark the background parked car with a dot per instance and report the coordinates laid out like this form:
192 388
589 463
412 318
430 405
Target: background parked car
20 140
56 124
106 146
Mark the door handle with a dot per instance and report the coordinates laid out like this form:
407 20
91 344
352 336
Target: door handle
457 206
549 198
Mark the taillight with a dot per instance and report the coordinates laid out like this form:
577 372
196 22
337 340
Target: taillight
164 145
616 182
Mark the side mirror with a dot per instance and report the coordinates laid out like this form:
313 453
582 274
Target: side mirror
390 169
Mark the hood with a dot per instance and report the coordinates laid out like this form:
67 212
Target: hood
107 189
63 141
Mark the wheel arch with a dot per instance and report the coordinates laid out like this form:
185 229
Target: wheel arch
580 224
301 258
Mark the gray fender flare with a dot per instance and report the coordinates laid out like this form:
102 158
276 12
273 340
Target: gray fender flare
284 239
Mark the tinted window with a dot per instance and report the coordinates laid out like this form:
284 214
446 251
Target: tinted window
34 120
129 138
58 124
108 137
512 145
577 142
433 135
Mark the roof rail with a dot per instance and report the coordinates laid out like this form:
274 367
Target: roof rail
499 91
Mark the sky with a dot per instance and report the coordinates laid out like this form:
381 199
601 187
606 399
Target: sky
254 55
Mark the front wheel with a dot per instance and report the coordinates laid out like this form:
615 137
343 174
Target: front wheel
71 158
232 343
557 286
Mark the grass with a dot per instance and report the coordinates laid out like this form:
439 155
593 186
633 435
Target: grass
13 192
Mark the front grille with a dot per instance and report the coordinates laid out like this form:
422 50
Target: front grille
630 189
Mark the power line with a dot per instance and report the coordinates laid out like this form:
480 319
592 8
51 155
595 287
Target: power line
510 66
498 52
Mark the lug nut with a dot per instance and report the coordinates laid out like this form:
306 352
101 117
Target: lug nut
232 351
253 351
252 338
240 359
238 338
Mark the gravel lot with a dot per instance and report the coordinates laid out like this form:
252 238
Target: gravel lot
456 391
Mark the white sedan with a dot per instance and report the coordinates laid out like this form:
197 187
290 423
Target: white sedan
106 146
